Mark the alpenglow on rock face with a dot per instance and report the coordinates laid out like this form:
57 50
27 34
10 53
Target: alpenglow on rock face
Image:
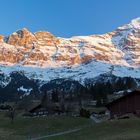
45 57
120 47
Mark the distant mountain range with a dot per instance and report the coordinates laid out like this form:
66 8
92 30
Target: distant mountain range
32 62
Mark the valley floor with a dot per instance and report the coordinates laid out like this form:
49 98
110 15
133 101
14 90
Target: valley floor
115 130
68 128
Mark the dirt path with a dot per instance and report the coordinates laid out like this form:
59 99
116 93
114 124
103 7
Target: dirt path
58 134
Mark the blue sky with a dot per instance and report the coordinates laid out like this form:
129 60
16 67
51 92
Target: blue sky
66 18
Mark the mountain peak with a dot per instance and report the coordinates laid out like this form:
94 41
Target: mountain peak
44 49
22 32
23 29
21 37
136 23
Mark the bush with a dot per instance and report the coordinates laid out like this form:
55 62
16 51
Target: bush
84 113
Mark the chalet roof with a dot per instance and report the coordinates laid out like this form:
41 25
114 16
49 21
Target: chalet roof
137 91
55 106
34 105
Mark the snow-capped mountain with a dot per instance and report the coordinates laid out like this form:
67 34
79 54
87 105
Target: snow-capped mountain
42 57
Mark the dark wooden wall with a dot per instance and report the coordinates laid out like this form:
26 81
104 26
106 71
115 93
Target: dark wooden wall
128 104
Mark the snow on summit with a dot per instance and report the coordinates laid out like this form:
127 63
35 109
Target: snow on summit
136 23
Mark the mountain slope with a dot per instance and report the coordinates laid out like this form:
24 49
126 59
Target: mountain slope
43 57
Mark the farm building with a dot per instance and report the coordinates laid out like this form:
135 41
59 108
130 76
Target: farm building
38 110
129 103
45 110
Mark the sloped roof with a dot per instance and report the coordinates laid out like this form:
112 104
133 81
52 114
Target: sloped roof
137 91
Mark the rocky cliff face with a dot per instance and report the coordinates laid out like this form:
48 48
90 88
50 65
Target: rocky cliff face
45 57
120 47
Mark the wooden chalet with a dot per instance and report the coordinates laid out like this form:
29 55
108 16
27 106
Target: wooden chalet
46 107
46 110
38 110
127 104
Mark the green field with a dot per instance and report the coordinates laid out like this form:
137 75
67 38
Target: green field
127 129
111 130
22 128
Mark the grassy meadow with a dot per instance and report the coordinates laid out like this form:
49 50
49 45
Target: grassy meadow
128 129
22 128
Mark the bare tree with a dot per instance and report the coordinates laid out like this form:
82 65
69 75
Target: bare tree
11 114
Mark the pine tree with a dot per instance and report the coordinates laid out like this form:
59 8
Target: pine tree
44 100
55 95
